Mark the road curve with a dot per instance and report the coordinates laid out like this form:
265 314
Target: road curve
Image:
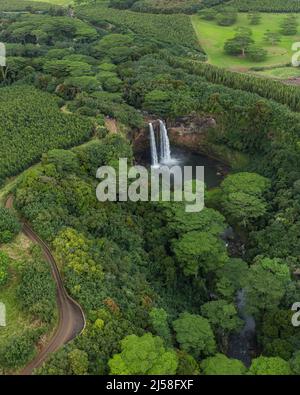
71 317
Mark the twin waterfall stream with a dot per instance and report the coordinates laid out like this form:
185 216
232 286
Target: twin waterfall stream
165 151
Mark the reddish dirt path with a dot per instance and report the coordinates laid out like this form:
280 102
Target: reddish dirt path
111 125
71 316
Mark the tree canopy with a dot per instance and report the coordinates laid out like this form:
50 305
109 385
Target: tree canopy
143 355
194 335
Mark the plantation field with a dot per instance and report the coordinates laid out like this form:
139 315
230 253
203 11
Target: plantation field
38 5
176 30
212 38
267 5
21 5
167 6
31 124
56 2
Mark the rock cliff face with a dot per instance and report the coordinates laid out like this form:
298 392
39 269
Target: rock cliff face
193 124
189 132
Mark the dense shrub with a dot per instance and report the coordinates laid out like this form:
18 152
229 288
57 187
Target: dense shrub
18 350
4 263
9 225
36 293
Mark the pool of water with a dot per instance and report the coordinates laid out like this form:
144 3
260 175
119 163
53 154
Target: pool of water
214 170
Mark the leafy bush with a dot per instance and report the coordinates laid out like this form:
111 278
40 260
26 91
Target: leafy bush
208 14
256 53
227 17
37 292
9 225
4 262
289 26
18 350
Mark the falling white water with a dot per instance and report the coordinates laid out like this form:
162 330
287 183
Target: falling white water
162 146
165 151
154 156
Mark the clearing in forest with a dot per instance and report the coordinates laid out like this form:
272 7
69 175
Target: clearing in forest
212 38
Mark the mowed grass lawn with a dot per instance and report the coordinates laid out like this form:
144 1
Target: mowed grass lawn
212 38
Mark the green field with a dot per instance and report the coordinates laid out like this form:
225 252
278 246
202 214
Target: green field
212 38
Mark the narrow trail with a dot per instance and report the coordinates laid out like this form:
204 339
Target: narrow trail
111 125
71 316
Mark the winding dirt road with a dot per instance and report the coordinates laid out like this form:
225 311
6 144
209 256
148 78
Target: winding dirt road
71 316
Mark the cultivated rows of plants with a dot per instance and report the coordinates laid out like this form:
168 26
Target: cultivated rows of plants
285 94
267 5
31 122
25 5
176 30
164 6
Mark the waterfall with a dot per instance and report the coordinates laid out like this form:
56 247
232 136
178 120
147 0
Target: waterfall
154 156
165 151
164 145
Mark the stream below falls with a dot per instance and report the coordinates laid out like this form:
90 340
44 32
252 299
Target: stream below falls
242 345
